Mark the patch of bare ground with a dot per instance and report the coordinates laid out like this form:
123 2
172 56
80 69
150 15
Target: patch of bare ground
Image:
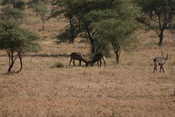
126 90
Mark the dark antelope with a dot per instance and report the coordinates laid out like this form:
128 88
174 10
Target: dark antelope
77 56
160 61
97 58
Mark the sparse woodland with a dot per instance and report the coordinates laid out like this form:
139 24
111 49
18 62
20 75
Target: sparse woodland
100 58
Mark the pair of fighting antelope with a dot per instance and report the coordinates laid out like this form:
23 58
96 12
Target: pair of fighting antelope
158 61
97 58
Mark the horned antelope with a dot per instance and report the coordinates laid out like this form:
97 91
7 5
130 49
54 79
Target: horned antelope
97 58
76 56
160 61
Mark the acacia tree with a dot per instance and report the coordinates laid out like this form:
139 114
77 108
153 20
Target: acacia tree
13 10
41 9
103 21
113 27
76 12
157 15
20 4
69 9
13 14
115 37
15 41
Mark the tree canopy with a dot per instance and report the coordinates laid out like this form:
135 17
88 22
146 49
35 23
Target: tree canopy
157 14
109 21
14 39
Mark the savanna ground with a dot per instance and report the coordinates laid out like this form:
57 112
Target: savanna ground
129 89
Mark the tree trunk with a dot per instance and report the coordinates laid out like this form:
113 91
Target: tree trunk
43 27
14 3
117 50
91 40
21 63
79 25
117 54
71 30
161 37
43 24
92 46
11 60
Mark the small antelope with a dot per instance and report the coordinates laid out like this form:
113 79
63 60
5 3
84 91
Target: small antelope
97 58
160 61
76 56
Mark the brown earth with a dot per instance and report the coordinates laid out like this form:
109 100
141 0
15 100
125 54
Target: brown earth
126 90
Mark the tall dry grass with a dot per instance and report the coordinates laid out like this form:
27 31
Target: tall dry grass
129 89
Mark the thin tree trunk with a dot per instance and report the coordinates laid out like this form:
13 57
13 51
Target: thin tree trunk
161 37
21 63
161 28
11 61
43 26
91 40
117 50
92 46
14 3
71 31
43 23
117 54
79 25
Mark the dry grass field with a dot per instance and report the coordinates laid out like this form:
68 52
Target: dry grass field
129 89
